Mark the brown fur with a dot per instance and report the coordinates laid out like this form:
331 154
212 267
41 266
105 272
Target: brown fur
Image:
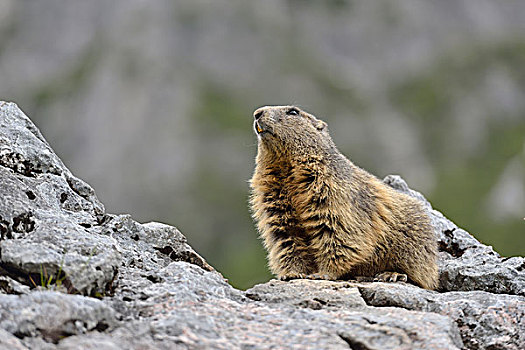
320 215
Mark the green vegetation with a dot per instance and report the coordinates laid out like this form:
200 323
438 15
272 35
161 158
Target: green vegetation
464 179
50 281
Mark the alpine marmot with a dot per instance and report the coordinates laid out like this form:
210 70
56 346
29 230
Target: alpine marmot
321 216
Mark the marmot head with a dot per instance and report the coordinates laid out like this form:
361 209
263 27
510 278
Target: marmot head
288 130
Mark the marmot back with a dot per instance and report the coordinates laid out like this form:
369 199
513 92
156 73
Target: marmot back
320 216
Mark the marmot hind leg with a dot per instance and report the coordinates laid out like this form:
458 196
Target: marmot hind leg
420 267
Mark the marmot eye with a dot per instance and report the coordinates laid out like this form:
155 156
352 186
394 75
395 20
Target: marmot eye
293 111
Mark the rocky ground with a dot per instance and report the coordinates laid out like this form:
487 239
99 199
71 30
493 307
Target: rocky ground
73 276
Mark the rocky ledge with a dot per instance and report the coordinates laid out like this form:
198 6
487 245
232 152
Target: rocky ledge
73 276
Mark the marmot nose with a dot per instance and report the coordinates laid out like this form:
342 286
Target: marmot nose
258 113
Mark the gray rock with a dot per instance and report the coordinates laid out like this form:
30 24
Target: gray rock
465 263
193 308
298 293
367 327
46 214
145 250
121 339
155 292
10 286
52 315
485 320
53 226
10 342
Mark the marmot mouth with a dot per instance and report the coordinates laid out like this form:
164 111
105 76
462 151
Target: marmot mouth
258 128
262 129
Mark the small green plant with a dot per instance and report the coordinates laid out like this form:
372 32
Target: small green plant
56 281
47 280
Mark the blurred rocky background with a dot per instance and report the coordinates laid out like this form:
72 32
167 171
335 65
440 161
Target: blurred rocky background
151 103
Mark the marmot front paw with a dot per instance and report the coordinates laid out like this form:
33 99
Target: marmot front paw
389 276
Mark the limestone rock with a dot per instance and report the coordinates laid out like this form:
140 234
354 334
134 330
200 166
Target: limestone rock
53 226
465 263
9 342
485 320
46 214
53 315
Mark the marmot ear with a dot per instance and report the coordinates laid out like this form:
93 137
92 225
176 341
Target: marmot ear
321 125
